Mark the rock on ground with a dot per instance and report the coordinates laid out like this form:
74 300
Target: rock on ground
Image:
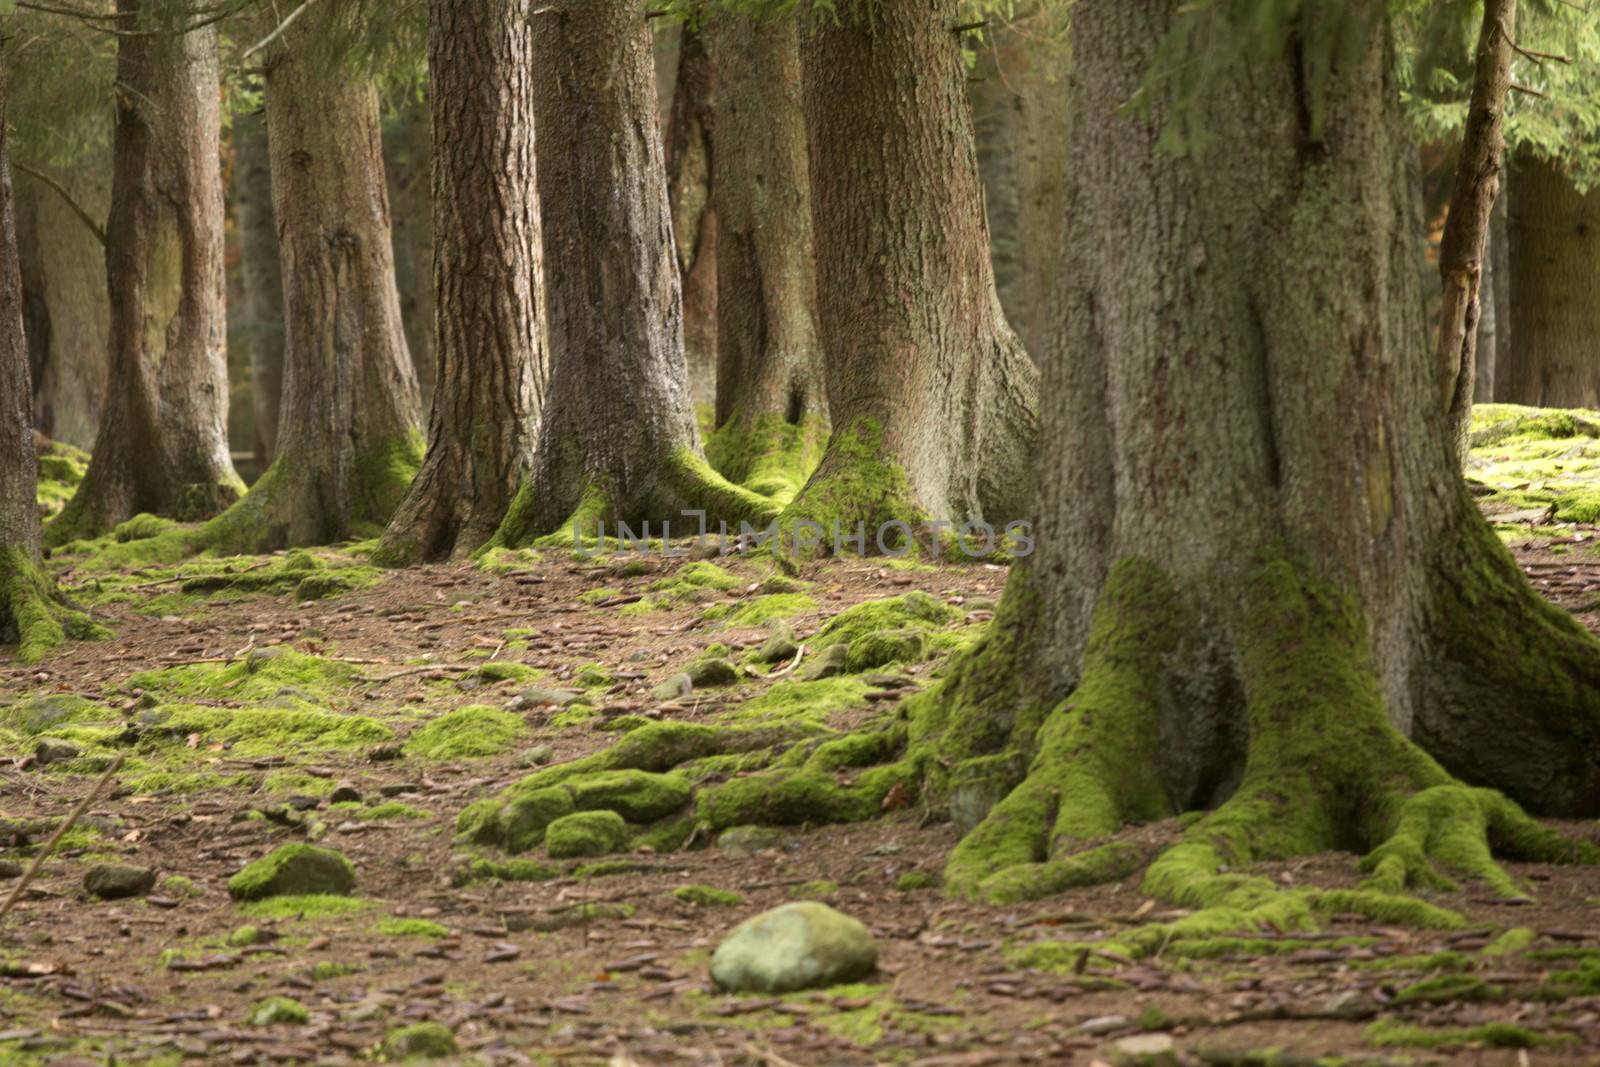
796 946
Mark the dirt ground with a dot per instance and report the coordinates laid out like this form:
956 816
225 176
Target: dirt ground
521 972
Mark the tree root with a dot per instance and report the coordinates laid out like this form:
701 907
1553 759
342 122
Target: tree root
33 612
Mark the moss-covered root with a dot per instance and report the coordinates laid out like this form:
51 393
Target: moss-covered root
33 614
856 483
1095 762
768 456
296 502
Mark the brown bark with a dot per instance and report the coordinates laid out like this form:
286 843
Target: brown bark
489 325
348 437
923 373
64 292
1552 358
408 154
162 444
19 511
261 278
618 434
688 147
771 405
1492 327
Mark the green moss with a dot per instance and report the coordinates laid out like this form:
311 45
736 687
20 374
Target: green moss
305 906
705 896
594 676
260 676
761 610
1449 988
595 596
856 482
772 457
471 732
294 870
33 614
915 610
814 890
638 796
810 702
914 880
482 870
1513 941
245 936
1581 981
420 1041
411 928
47 712
521 674
1388 1033
327 970
585 833
393 809
141 527
61 471
267 731
279 1011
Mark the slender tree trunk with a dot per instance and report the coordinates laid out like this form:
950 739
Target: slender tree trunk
489 326
162 446
996 122
771 409
1254 606
667 44
64 291
348 438
31 612
618 438
1552 358
1498 283
261 277
688 147
931 394
409 154
1489 306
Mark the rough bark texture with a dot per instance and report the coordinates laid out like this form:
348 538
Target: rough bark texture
925 379
162 445
688 146
1552 358
1255 554
771 410
261 278
489 327
31 612
64 291
349 439
618 435
408 153
1492 328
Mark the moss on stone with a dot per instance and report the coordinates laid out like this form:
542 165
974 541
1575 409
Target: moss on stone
411 928
393 810
483 870
471 732
300 727
637 796
303 906
294 870
279 1011
420 1041
262 675
141 527
584 834
760 610
705 896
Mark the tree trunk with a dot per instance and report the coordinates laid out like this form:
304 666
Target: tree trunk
261 277
688 143
771 411
409 154
1552 358
31 612
64 290
489 328
931 395
667 45
996 118
1254 606
1483 378
618 435
162 446
348 439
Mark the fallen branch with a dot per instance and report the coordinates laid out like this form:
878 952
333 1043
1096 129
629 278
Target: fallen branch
66 824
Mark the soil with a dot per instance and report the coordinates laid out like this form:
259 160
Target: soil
520 976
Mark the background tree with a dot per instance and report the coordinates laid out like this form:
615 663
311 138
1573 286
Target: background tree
31 612
162 442
687 142
618 439
407 154
348 440
931 394
489 326
260 311
771 405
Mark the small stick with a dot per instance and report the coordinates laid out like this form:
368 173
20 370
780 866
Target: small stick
779 673
66 824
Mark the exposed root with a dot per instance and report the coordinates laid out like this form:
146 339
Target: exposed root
773 458
33 614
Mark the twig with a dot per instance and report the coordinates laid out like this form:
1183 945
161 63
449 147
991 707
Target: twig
966 27
1537 56
95 228
66 824
1514 87
419 669
799 653
275 34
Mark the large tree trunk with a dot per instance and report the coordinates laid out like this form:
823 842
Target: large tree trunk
489 327
996 118
618 435
162 446
1552 358
687 143
349 440
31 614
1256 566
64 291
261 278
931 394
772 409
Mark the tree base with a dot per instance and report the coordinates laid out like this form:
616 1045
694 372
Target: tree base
104 501
768 456
33 614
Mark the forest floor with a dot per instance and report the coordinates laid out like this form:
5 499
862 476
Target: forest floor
231 750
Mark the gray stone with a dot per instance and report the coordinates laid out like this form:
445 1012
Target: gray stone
344 793
1103 1024
781 646
540 697
1145 1050
748 840
835 661
50 750
797 946
679 685
537 756
712 671
116 881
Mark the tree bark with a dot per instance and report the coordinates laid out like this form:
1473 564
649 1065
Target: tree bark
688 147
32 614
408 154
64 289
931 394
1256 565
618 439
996 118
162 445
488 274
1489 307
771 409
1552 358
349 440
261 278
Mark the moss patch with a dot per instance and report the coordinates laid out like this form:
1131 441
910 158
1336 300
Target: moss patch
470 732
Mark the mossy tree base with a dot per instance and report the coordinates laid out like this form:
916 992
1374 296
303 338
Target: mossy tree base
33 614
